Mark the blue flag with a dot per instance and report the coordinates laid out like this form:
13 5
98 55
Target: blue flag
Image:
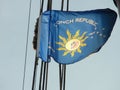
71 36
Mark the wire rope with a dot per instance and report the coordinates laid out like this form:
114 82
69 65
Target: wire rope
26 47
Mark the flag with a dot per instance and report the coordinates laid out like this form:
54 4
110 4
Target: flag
71 36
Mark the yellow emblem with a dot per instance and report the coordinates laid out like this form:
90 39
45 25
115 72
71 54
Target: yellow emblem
73 43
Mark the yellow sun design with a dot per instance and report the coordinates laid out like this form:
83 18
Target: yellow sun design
73 43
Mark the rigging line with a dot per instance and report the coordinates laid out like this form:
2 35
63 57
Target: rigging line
60 77
26 49
49 6
62 4
67 5
44 73
46 76
39 21
60 65
36 58
42 63
36 62
41 8
41 74
64 76
64 66
34 75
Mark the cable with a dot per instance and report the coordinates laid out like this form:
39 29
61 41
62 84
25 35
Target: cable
41 74
36 44
62 5
67 5
46 76
64 76
60 65
26 49
35 73
49 5
42 4
60 77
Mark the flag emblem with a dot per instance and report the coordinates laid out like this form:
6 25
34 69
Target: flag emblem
73 43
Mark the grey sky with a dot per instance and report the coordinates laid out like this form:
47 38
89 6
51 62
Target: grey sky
99 71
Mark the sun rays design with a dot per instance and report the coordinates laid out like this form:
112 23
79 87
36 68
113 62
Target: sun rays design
72 43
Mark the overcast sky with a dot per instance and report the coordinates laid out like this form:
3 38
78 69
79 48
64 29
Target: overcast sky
99 71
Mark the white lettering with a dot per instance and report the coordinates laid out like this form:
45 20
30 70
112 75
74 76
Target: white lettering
65 22
76 20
